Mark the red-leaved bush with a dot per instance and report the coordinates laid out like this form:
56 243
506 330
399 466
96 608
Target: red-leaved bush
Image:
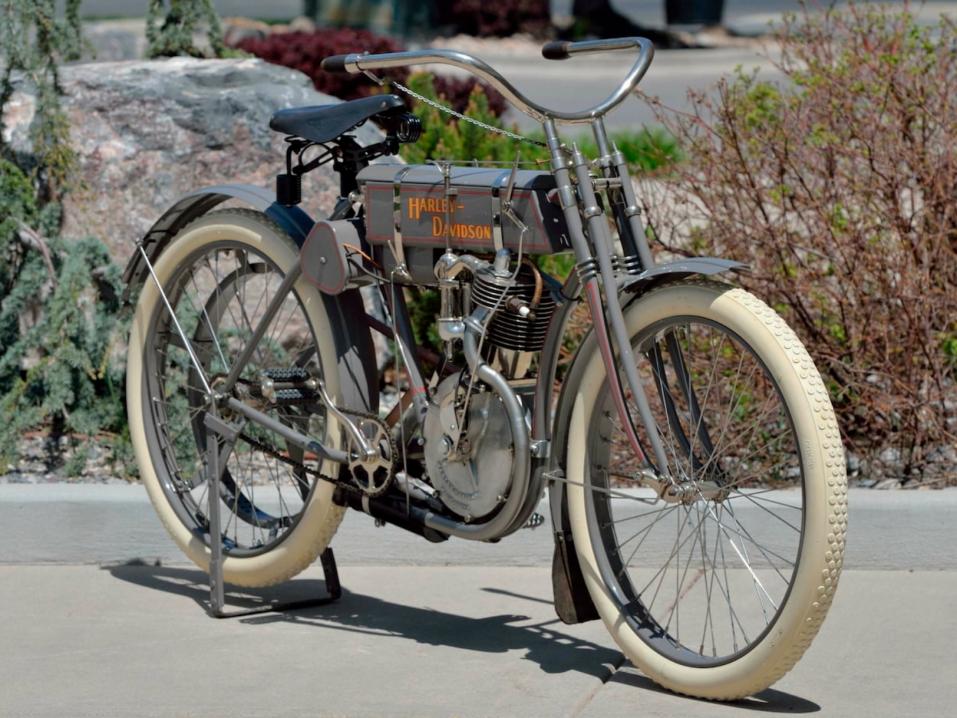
839 188
501 18
304 51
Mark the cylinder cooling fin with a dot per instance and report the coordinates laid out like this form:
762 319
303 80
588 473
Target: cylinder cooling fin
508 329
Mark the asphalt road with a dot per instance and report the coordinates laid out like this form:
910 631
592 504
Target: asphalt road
586 80
644 11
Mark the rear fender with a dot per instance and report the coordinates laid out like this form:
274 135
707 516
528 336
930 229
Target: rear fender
358 376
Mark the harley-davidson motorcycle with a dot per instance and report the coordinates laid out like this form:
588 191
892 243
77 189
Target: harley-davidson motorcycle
690 455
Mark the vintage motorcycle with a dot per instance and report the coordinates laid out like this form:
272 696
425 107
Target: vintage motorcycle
690 454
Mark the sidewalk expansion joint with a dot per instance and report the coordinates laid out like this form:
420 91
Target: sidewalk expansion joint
590 696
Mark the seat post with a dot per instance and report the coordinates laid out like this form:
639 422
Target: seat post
348 164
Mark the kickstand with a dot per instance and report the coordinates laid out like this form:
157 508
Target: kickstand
217 604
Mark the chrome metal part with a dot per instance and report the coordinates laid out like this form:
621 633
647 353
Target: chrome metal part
366 450
356 63
515 509
296 438
611 308
474 478
373 476
401 268
522 309
540 448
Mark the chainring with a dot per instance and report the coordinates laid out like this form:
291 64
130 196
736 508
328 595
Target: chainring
373 477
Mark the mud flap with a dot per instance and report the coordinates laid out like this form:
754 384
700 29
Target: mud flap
572 602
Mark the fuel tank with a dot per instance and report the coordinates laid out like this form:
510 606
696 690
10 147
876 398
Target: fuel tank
412 203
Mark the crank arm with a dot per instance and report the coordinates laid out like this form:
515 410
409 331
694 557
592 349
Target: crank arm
296 438
369 452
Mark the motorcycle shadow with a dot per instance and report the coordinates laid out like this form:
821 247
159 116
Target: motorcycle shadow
553 650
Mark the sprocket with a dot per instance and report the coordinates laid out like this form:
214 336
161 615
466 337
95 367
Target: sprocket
375 476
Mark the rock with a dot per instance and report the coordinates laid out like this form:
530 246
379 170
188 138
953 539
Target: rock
853 463
888 484
42 461
943 455
302 24
148 131
236 29
890 456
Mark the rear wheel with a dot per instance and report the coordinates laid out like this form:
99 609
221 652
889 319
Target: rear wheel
715 572
220 274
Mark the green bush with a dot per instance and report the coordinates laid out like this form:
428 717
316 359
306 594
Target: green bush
59 306
170 31
837 188
59 316
445 137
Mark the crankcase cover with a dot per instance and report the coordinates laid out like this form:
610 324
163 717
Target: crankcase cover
473 478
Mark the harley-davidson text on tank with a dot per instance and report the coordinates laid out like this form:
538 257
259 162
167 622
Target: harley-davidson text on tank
469 217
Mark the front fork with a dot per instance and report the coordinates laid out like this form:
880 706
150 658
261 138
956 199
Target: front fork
607 315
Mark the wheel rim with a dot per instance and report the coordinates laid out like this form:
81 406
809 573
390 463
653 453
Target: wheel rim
702 574
218 293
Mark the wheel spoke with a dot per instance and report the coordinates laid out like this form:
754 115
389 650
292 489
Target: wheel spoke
729 441
223 292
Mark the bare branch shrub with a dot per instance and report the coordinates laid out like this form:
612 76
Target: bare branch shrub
839 188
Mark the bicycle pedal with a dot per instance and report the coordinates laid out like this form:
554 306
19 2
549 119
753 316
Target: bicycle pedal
292 396
534 521
292 373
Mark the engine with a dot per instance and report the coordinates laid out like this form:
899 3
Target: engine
513 328
471 232
470 438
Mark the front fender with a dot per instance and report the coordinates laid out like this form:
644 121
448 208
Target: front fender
669 271
572 602
358 375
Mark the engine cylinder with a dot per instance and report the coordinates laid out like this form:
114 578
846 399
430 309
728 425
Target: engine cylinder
508 329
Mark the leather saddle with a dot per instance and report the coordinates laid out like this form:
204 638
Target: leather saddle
324 123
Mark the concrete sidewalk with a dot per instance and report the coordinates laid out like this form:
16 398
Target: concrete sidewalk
84 523
424 641
412 637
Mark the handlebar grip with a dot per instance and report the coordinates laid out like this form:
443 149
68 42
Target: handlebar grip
334 63
555 50
558 50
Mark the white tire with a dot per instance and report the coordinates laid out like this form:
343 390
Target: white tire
821 546
319 517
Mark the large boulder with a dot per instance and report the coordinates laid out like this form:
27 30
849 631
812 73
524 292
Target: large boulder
147 132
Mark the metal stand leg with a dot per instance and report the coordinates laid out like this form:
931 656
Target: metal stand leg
215 452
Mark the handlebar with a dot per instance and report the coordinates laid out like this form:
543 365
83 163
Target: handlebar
559 50
356 62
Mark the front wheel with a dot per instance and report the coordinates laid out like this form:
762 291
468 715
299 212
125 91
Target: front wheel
715 572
